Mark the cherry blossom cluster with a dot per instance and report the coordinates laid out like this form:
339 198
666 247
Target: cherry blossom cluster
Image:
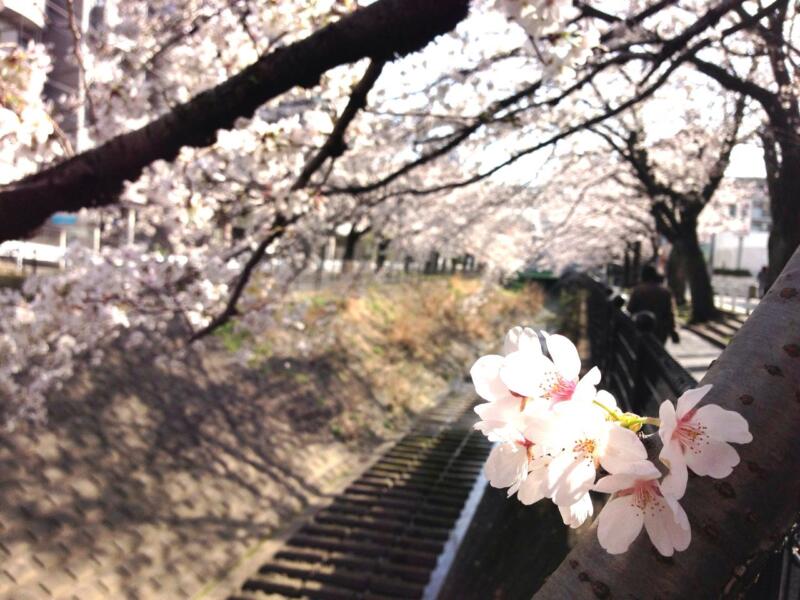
556 432
560 43
25 125
184 263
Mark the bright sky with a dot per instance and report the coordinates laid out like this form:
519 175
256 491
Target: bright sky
747 160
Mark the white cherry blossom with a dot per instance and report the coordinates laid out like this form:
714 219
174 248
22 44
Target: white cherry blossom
502 413
640 500
698 439
555 379
579 442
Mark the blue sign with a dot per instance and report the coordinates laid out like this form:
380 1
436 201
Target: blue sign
64 219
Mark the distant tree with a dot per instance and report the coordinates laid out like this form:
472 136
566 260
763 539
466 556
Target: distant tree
680 175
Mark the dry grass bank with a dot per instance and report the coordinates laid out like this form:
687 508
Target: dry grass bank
380 355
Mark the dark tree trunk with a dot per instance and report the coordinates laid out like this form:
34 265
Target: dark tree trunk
699 280
676 274
350 245
637 261
783 180
382 253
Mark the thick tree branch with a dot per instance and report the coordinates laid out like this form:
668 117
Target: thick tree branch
383 30
335 145
768 100
717 171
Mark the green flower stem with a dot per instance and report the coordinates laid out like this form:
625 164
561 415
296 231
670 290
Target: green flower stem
614 415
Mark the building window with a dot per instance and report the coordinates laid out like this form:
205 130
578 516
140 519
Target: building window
732 210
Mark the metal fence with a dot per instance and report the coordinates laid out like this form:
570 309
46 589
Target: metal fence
635 366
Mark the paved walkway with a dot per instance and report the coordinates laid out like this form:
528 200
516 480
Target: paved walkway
693 353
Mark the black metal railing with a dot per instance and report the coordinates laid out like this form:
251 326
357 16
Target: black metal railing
635 366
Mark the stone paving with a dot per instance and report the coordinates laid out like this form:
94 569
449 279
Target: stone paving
149 483
693 353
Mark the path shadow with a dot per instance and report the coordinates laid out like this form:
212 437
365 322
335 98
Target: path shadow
149 481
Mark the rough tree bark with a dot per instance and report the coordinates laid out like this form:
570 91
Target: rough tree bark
784 204
350 245
703 307
382 31
735 521
676 274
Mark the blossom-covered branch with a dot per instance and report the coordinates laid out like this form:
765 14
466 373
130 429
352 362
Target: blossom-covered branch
383 30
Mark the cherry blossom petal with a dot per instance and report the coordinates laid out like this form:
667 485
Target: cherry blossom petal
619 523
682 535
585 391
565 356
659 521
485 375
669 420
522 338
675 482
568 479
506 465
524 372
534 488
690 398
716 460
576 514
501 421
645 470
623 451
724 425
614 483
505 410
541 428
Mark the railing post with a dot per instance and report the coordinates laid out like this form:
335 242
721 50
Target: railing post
645 323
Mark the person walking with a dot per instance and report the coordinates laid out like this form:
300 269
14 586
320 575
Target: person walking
762 281
652 297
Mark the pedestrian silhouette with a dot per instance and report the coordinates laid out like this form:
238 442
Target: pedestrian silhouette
762 281
650 296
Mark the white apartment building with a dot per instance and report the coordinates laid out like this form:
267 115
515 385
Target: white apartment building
735 228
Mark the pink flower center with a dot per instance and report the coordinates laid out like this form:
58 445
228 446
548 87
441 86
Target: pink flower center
561 390
645 495
690 435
